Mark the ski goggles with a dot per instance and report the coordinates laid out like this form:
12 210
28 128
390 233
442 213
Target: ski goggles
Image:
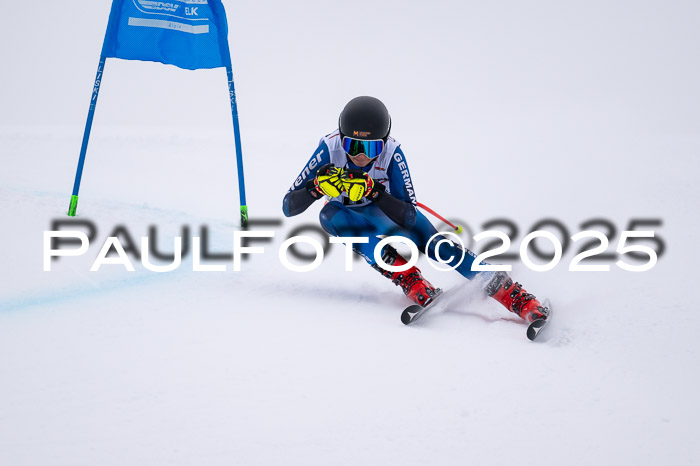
371 149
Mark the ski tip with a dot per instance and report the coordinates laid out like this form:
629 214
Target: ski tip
414 311
408 313
535 328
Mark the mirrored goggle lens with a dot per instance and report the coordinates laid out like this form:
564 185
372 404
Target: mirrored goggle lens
355 147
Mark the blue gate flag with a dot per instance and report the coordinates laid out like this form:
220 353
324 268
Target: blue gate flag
190 34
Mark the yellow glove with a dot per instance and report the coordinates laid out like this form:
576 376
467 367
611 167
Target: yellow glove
327 181
357 184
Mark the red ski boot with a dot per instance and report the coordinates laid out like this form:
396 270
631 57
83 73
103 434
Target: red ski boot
417 288
515 298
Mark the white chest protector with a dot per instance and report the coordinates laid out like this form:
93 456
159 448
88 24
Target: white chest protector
378 170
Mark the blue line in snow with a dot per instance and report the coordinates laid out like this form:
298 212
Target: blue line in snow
34 299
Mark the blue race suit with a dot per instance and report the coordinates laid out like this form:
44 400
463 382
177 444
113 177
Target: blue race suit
394 214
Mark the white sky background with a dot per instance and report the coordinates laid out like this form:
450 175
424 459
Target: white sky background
598 95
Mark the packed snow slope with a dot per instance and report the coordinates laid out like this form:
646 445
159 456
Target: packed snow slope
568 111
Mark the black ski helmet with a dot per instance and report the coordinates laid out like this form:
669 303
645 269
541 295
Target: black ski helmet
365 118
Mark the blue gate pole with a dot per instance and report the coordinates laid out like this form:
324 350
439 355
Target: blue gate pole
239 155
86 137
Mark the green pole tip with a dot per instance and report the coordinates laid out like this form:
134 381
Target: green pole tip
244 216
73 206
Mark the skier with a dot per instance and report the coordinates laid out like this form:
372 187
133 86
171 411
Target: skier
365 174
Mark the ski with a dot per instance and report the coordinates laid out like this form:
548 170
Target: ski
414 311
536 327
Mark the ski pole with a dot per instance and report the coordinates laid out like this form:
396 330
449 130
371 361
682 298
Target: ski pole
457 228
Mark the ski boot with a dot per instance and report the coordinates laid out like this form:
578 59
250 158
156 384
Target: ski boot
515 298
418 289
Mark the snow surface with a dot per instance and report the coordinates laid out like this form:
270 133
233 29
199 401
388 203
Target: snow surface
525 111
